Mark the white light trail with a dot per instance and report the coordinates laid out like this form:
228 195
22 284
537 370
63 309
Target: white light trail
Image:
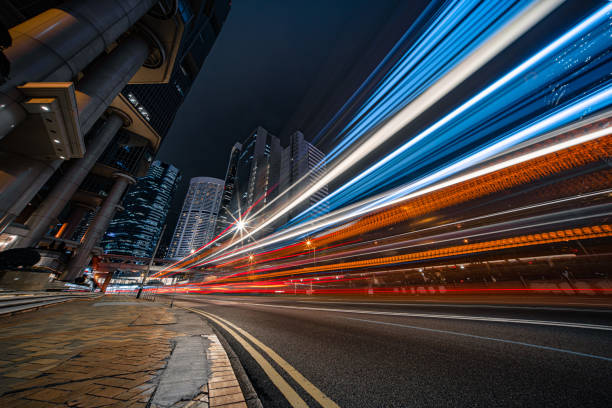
546 52
504 36
375 203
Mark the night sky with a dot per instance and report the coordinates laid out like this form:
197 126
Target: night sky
285 65
289 65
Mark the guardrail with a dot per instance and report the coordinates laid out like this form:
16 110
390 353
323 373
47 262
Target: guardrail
18 302
147 293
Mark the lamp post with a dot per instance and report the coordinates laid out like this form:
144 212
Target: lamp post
314 258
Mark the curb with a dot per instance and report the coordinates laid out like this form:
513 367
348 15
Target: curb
249 394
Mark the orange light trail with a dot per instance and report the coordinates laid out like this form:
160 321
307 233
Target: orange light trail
596 231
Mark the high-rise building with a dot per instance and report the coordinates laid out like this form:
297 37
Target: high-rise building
196 223
159 102
258 171
85 107
225 217
136 230
301 166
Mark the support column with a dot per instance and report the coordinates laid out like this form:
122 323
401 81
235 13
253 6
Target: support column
21 177
40 221
97 228
104 80
77 213
59 43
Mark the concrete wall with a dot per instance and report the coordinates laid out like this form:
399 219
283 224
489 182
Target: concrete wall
24 280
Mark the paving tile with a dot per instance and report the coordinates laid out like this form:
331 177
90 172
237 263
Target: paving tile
104 391
137 405
82 387
235 405
34 404
221 378
217 392
46 361
223 384
143 396
22 374
115 382
221 371
90 401
226 399
86 357
50 395
196 404
127 395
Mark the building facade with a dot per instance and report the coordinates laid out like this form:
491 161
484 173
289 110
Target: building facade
196 223
136 230
225 217
301 166
258 172
85 107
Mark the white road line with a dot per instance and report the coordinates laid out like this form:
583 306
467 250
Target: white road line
466 305
474 336
434 316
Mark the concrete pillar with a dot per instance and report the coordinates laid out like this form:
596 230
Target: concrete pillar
40 221
104 80
59 43
77 213
97 228
21 177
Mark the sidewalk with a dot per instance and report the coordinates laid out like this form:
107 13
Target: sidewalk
113 352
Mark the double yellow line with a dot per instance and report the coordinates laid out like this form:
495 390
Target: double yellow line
288 392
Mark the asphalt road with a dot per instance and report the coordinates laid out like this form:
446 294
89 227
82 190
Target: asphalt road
481 352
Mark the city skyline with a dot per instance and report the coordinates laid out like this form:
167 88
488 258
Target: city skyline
217 204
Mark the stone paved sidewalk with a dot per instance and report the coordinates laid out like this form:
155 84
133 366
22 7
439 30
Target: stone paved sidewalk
113 352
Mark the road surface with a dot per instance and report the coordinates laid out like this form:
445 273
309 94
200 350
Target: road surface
455 352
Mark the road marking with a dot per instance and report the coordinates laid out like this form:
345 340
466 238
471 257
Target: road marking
310 388
474 336
292 397
435 316
467 305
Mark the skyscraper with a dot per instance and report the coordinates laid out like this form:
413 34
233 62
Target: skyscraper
160 101
258 171
301 166
136 230
86 106
196 224
225 217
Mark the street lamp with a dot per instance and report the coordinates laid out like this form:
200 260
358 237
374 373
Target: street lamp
251 275
314 258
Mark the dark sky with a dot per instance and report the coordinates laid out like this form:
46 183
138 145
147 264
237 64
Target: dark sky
289 65
282 64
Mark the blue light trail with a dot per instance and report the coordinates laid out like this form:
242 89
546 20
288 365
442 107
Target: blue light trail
565 62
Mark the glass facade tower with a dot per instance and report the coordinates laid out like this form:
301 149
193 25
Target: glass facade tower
196 224
225 217
135 231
